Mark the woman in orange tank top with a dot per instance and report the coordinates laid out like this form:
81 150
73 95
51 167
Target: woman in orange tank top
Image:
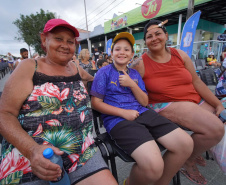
176 92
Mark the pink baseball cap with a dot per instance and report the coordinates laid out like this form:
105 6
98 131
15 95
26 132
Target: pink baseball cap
53 23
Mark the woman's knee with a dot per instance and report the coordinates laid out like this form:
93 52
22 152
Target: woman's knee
217 131
212 130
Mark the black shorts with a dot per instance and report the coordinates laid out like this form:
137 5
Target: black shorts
129 135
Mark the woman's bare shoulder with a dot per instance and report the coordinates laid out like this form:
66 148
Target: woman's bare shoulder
138 65
181 52
19 85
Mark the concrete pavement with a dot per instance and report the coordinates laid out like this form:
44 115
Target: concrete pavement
212 172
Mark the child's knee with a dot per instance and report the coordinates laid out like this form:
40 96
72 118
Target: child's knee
184 146
187 145
152 170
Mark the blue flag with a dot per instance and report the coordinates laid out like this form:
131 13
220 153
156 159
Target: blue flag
79 49
108 48
188 33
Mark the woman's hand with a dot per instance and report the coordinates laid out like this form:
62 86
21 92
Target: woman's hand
42 167
130 114
219 109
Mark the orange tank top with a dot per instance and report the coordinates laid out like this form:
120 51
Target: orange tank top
170 81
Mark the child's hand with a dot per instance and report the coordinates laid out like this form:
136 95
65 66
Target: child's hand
125 80
130 114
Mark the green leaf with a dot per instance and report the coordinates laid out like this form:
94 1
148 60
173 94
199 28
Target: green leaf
49 104
63 138
88 153
13 178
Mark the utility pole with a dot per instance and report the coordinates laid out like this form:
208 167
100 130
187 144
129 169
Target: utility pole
89 48
190 10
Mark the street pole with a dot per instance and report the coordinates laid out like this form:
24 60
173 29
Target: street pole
179 30
89 48
190 10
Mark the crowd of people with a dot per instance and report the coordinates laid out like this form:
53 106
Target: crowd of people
140 105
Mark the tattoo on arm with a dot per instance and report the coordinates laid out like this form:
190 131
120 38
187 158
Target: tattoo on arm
136 62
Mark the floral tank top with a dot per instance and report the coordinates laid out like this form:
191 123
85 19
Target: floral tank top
57 112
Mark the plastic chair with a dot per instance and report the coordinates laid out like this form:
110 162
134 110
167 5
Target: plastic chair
208 76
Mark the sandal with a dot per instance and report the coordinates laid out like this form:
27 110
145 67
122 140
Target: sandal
200 161
124 182
193 177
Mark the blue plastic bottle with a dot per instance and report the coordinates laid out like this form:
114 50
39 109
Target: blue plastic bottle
64 179
222 116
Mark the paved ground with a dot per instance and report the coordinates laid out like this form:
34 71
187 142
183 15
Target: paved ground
212 172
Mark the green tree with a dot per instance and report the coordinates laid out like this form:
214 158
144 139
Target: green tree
30 27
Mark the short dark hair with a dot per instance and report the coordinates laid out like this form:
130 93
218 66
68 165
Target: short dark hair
153 22
100 62
23 50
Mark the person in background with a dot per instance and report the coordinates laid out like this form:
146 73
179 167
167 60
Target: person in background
212 61
23 54
176 92
135 57
101 63
10 61
93 61
84 61
223 56
100 57
96 54
105 56
129 63
74 58
222 37
51 110
119 94
109 60
36 55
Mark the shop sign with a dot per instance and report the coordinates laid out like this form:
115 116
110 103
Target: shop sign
148 10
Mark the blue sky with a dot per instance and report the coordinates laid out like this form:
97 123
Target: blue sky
70 10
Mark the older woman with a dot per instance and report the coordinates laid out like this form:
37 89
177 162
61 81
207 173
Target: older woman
44 104
176 92
84 61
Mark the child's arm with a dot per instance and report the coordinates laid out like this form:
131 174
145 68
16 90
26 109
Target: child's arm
104 108
140 95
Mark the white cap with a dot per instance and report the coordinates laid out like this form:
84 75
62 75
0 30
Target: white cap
211 53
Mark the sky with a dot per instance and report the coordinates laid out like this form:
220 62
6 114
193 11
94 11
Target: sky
73 11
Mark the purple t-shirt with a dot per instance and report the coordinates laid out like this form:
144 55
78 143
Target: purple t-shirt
106 86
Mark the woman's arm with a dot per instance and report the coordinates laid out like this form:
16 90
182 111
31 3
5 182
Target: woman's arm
138 64
200 86
15 92
223 55
84 75
104 108
94 67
